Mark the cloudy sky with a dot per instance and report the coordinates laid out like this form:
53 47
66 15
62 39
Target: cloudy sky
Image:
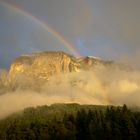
109 29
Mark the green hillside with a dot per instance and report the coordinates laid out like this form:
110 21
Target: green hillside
72 122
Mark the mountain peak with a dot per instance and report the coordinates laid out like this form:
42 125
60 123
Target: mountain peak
43 64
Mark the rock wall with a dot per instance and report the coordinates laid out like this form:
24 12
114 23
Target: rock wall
43 65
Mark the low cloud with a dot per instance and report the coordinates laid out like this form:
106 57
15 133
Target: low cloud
100 86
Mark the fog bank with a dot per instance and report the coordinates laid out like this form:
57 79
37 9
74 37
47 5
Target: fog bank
100 86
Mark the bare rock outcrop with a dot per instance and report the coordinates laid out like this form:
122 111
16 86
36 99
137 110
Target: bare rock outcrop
43 65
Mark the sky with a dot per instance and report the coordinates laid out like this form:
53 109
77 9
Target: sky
109 29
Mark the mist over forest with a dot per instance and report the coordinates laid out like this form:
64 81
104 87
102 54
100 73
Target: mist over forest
97 86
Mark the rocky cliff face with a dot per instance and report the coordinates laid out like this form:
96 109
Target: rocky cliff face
36 69
45 64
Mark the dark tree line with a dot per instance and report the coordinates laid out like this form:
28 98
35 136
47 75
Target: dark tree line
115 123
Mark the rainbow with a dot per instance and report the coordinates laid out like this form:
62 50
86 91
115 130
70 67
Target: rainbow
44 25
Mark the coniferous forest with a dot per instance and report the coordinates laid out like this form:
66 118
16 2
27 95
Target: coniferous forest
72 122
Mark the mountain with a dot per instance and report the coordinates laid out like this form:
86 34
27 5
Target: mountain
34 70
45 64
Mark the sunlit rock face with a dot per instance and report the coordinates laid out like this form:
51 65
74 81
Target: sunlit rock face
89 62
34 70
43 65
46 64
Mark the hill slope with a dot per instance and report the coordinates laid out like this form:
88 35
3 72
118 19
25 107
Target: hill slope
72 122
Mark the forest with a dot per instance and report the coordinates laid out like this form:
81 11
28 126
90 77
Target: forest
72 122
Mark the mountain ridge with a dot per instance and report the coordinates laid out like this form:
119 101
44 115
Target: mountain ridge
45 64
